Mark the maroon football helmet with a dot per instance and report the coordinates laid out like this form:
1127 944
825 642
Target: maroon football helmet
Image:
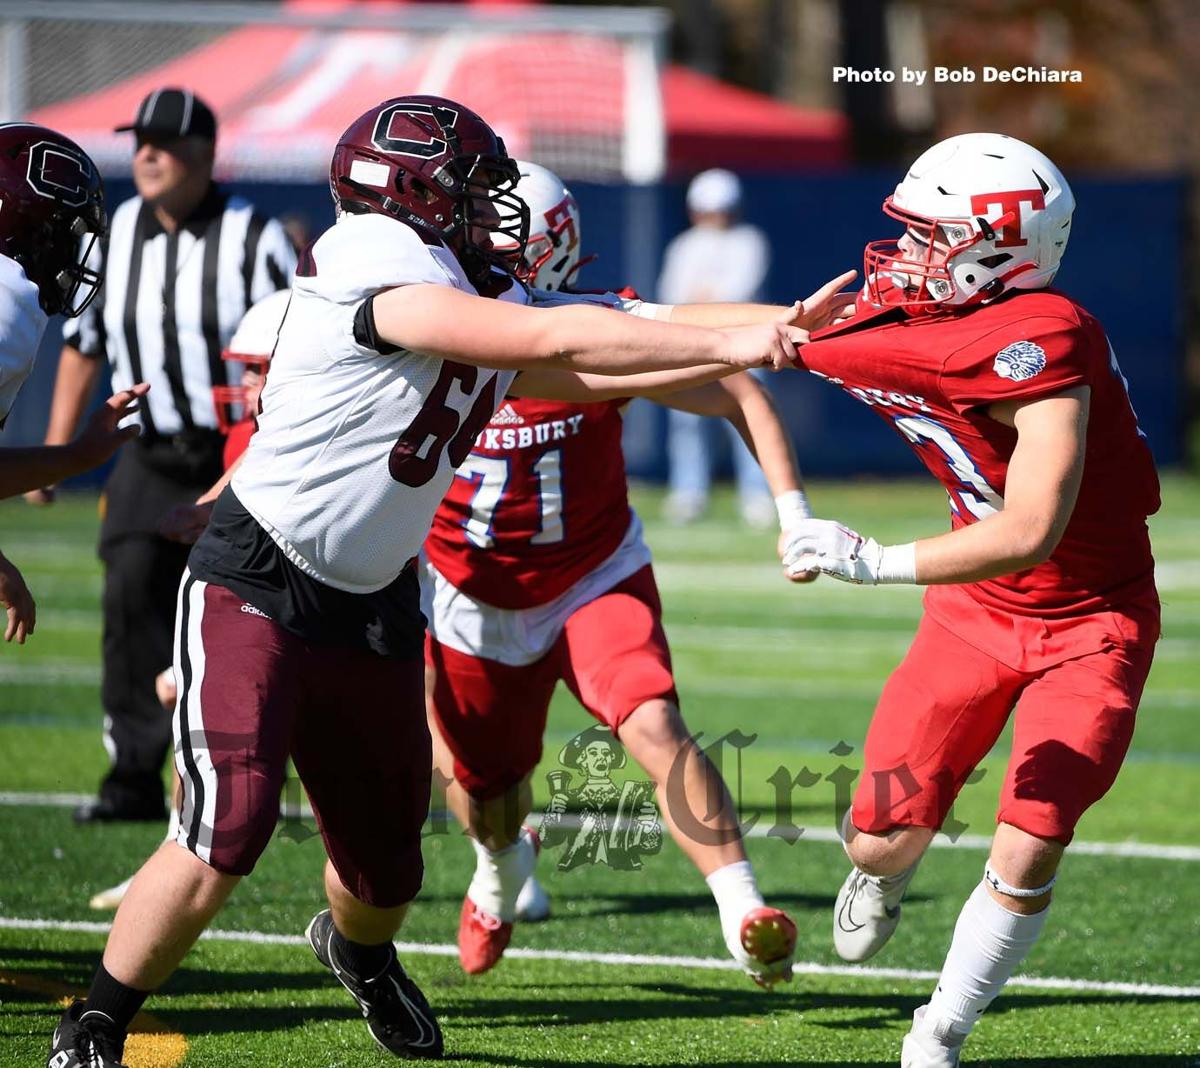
437 166
51 214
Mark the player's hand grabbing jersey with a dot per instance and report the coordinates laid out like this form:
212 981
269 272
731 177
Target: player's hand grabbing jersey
933 376
538 504
352 455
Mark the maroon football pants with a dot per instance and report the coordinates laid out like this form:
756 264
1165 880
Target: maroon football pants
250 695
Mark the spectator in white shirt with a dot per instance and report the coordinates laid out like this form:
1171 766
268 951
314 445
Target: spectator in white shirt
719 258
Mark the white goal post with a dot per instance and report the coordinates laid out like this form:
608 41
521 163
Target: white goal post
577 88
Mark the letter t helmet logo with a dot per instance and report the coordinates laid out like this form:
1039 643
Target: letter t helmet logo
1009 224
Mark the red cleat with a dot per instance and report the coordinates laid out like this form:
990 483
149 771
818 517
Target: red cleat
482 938
769 937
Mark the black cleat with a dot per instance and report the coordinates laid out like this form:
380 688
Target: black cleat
397 1014
85 1039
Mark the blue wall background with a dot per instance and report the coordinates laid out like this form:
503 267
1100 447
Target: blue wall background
1125 264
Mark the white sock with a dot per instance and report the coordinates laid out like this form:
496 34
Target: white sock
989 943
173 824
499 876
736 892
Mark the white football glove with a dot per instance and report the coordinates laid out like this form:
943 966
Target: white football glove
825 545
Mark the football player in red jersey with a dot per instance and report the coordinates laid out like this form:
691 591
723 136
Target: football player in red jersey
537 571
51 215
1042 595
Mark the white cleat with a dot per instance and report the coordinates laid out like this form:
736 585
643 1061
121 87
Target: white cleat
867 913
931 1045
533 903
110 898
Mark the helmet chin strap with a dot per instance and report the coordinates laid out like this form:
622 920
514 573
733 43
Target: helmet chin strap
396 209
997 286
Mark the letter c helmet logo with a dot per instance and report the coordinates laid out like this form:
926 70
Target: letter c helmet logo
59 175
383 139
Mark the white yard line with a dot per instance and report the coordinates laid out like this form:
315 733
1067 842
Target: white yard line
50 673
978 842
643 960
35 799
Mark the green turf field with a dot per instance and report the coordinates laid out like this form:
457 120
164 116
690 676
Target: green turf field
794 668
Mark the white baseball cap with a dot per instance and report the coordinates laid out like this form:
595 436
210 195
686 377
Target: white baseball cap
713 191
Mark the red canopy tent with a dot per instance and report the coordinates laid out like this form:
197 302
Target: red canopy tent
582 103
710 123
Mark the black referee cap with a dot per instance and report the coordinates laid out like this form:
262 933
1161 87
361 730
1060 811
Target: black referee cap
174 113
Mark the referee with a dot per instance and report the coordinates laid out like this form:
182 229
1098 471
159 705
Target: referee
183 262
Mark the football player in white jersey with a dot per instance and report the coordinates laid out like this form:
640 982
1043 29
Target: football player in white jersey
51 211
390 360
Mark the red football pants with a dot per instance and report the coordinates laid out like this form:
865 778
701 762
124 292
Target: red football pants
612 654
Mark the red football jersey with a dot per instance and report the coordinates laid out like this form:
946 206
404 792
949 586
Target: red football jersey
932 377
237 441
540 502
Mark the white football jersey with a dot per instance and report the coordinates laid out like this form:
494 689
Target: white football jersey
22 323
355 450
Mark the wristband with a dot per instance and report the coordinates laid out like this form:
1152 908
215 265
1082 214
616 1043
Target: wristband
792 507
897 563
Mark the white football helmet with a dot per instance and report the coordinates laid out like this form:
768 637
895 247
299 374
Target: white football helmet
551 257
985 213
252 345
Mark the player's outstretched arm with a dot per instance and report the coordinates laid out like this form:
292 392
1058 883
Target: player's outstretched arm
1043 480
453 325
712 390
748 406
549 383
22 470
828 304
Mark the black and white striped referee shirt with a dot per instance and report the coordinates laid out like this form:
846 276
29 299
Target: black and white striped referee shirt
171 302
